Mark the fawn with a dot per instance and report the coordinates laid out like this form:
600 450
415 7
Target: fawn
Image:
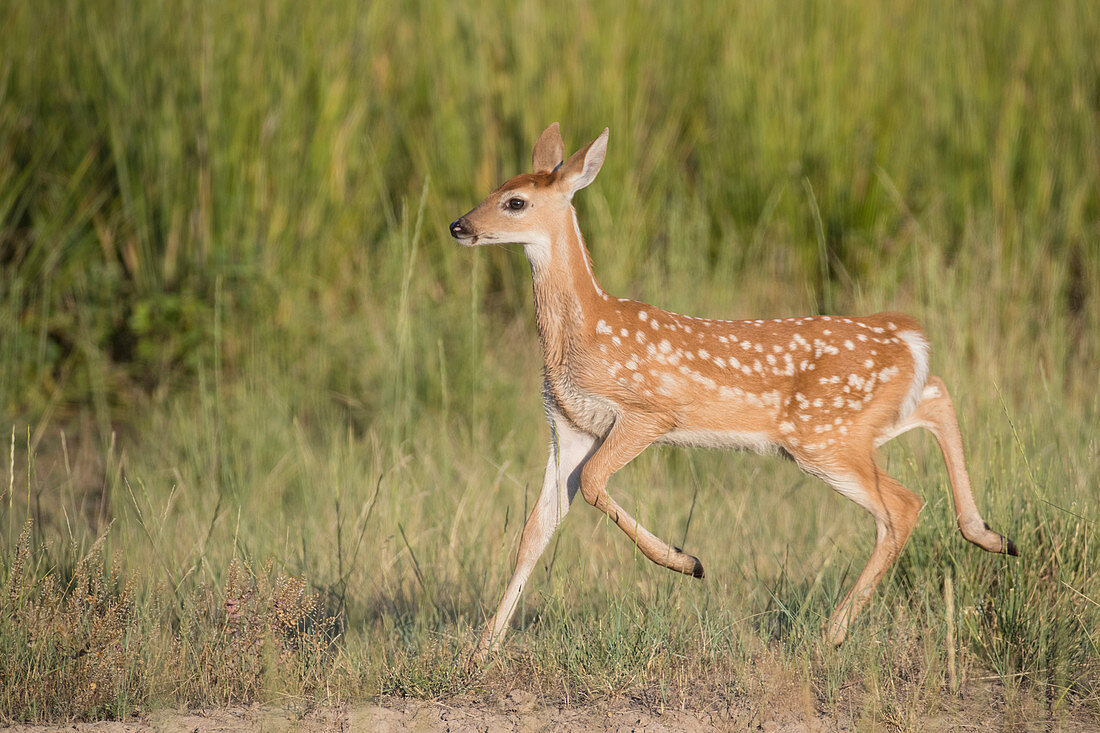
824 391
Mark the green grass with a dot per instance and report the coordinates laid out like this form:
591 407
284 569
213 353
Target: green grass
233 328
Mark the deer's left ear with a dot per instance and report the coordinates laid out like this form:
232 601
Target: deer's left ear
583 165
549 150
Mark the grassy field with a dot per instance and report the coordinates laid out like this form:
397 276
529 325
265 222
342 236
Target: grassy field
272 436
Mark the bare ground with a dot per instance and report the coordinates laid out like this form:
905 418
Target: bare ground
517 711
521 710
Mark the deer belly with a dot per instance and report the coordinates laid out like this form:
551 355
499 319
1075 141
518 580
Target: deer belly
759 442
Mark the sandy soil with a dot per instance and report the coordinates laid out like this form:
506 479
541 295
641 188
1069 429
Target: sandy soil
521 710
518 710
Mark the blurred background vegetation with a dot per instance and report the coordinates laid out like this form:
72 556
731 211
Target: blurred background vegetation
184 179
232 321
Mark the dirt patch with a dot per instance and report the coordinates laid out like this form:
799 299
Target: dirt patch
518 710
772 703
523 711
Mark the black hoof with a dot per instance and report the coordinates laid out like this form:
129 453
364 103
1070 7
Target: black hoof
696 569
1010 548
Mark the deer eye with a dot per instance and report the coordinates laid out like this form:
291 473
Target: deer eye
515 204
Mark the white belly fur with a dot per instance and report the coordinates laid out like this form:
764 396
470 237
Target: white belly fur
720 439
595 414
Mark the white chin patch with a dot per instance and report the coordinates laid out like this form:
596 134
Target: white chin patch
537 249
537 254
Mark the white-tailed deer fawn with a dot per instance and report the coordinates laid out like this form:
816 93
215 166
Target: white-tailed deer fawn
825 391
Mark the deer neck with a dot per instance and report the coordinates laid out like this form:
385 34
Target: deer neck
567 294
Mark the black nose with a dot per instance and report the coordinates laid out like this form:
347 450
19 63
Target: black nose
459 228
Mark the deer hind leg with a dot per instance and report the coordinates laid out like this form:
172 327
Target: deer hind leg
568 452
895 510
628 438
936 413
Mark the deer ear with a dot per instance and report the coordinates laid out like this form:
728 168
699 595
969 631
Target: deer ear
549 150
583 165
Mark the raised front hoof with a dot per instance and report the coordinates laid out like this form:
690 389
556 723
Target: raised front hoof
688 564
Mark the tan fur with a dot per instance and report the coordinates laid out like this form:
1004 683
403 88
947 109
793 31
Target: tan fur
621 375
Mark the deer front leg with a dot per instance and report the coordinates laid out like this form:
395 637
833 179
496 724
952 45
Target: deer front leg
568 450
628 438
